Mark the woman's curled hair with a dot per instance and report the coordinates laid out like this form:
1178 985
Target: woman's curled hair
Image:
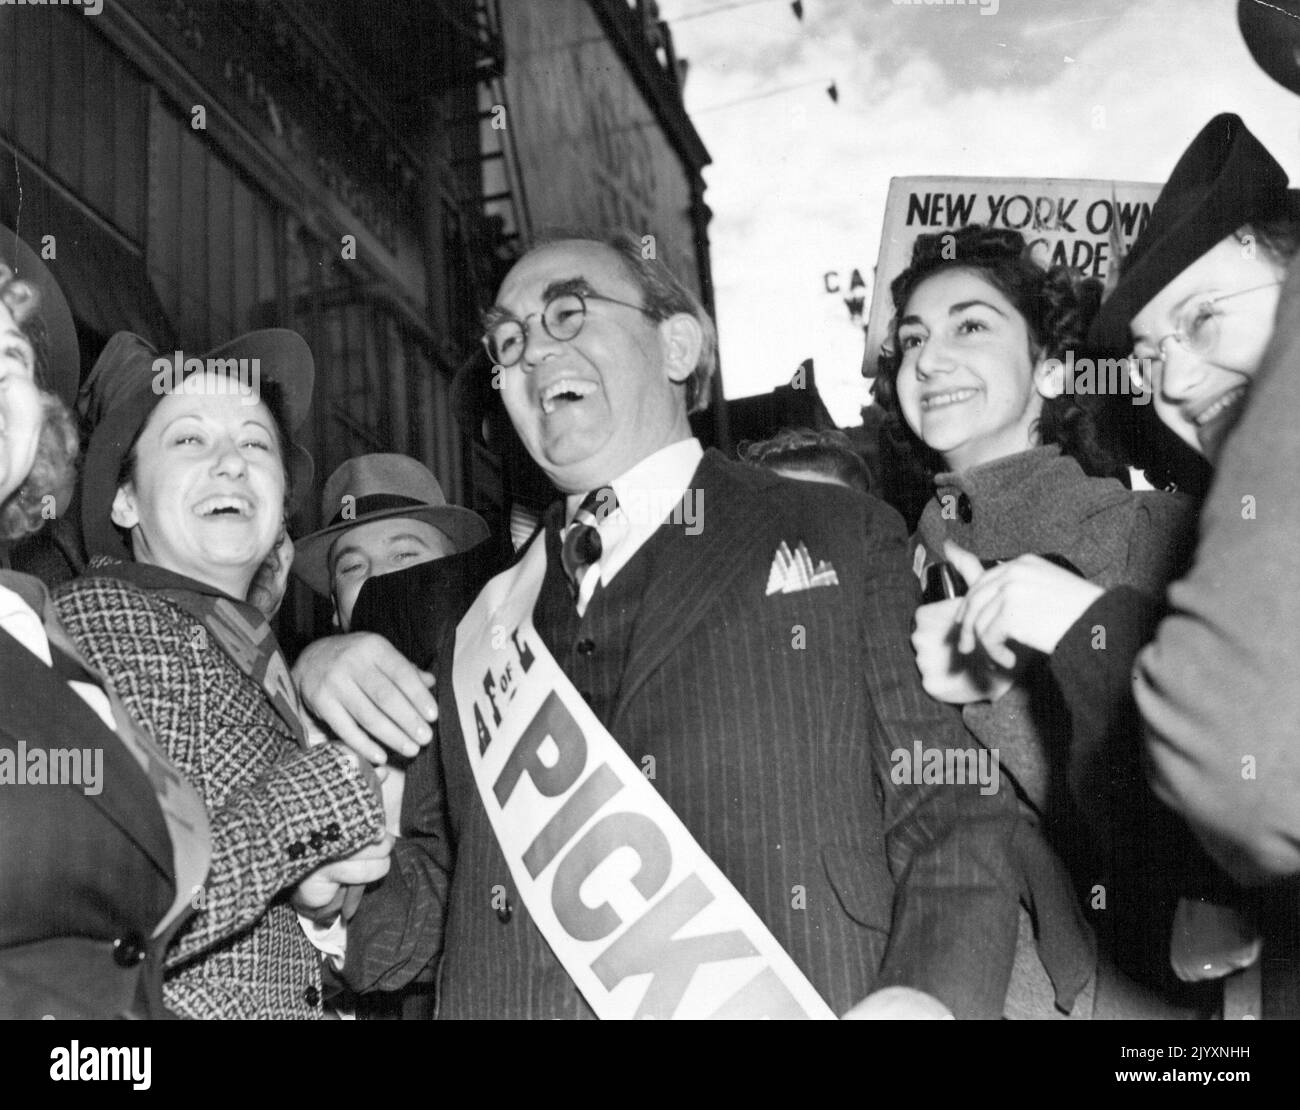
1057 305
53 474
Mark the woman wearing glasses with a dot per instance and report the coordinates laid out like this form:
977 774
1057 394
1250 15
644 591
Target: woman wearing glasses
1196 303
975 380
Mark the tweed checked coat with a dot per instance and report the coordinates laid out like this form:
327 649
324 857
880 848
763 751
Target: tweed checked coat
772 721
277 812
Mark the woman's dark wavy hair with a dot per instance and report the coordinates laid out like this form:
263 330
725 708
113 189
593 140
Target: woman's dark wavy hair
54 470
1057 305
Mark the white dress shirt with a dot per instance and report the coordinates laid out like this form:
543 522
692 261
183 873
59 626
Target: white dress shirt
647 495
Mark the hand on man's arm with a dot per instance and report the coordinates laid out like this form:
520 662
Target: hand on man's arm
368 693
322 894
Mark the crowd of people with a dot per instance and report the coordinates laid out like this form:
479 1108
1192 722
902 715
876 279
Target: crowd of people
675 758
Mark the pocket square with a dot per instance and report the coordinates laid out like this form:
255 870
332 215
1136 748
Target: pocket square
793 571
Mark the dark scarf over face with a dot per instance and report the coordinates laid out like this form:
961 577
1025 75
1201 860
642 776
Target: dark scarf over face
239 628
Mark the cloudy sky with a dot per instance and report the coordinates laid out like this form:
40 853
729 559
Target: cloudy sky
1043 88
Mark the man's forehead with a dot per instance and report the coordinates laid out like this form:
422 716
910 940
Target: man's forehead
373 536
570 260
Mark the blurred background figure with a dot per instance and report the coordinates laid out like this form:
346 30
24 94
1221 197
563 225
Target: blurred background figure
97 874
812 456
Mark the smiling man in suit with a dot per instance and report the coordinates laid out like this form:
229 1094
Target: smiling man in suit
743 638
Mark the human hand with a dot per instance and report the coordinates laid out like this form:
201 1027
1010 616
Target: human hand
368 692
272 578
899 1004
1026 601
322 895
947 675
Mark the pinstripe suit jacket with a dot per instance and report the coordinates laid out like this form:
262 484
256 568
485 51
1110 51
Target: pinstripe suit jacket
771 721
276 812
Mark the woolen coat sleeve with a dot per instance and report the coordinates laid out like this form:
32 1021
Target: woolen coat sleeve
398 928
1219 687
306 808
1093 669
949 846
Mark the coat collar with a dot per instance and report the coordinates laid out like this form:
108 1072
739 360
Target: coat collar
41 710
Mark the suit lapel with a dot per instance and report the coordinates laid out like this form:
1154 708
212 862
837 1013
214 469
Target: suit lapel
690 572
42 710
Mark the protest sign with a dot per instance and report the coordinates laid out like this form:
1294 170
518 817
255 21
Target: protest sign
1085 224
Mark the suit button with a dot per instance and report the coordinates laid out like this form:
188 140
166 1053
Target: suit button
332 831
297 850
964 510
316 840
128 951
311 995
505 912
586 647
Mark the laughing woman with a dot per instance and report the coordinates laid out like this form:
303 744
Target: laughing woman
974 383
183 499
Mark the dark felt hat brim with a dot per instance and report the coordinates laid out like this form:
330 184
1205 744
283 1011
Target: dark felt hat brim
63 371
464 527
119 397
1224 180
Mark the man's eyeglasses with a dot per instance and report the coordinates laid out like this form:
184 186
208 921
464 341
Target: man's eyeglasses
1198 331
562 317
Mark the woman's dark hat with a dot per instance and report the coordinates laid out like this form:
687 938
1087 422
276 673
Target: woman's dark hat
1223 180
124 387
374 487
1271 29
63 372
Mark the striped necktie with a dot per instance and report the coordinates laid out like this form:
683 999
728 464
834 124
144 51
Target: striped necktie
582 546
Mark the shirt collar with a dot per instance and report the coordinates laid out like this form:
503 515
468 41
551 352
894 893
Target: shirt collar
657 480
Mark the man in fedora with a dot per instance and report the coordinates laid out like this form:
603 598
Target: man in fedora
385 513
729 650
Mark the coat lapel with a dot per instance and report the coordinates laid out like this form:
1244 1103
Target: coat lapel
690 572
42 710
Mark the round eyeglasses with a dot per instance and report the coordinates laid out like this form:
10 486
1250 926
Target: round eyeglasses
1198 332
562 317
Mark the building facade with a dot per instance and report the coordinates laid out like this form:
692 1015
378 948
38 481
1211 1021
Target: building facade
195 169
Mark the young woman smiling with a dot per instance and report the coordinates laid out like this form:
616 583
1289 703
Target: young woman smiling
184 497
1209 673
974 383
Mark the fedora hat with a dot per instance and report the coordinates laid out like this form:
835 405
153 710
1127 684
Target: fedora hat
124 387
62 351
1223 180
376 487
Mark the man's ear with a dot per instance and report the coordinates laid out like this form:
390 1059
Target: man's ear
1049 377
682 338
124 513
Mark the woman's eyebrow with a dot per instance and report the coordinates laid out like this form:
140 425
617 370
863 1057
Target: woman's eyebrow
1174 312
964 305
